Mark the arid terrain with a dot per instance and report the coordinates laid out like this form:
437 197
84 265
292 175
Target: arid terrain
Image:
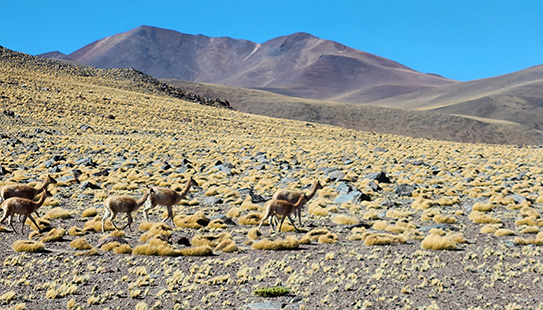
401 223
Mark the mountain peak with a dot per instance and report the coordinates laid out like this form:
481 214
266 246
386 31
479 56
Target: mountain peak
298 64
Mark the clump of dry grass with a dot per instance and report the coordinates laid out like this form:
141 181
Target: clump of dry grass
195 221
482 218
90 212
436 241
217 224
76 231
210 240
254 233
95 225
55 234
290 243
197 251
123 249
227 246
234 212
253 218
383 239
154 230
80 244
58 213
344 219
28 246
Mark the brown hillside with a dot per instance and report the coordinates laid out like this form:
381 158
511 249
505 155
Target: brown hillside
422 124
299 65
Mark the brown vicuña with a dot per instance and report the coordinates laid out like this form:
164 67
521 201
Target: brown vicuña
167 197
25 191
23 206
276 207
123 204
293 196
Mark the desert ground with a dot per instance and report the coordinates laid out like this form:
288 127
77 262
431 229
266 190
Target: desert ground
400 223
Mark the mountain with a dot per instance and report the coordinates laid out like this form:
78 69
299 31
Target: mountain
516 97
414 123
299 65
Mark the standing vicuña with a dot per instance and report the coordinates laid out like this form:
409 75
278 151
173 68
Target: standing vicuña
293 196
23 206
123 204
25 191
276 207
167 197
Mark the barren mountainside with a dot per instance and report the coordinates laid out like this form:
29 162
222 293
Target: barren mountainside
298 65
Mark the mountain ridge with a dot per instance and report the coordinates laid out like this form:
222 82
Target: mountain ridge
299 64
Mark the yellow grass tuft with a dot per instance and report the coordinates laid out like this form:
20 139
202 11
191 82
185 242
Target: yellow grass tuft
443 219
316 233
317 209
217 224
482 207
490 228
227 246
156 229
80 244
481 218
290 243
248 205
195 221
90 212
95 224
123 249
197 251
58 213
253 218
382 239
28 246
530 230
55 234
343 219
109 246
504 232
76 231
210 240
152 250
437 242
329 238
234 212
254 233
7 297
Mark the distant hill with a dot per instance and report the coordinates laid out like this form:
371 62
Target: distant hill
414 123
516 97
299 65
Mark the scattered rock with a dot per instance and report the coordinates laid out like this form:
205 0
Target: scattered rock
336 175
439 226
225 219
405 189
182 240
90 185
380 177
270 305
212 200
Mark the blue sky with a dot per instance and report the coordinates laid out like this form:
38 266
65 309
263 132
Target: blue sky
461 39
